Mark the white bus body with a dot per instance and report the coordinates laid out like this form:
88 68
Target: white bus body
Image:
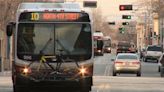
52 46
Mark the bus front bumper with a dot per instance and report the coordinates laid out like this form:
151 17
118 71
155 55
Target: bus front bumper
26 81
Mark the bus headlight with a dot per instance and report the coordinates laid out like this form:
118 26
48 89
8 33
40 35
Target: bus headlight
83 71
26 70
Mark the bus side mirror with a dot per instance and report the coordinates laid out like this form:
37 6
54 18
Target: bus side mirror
9 28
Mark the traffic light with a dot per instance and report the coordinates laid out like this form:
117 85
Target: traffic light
126 17
125 23
125 7
122 30
90 4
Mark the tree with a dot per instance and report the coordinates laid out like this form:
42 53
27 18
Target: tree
100 23
8 9
8 14
156 6
129 32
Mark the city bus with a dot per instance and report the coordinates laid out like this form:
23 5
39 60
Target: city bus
51 47
107 44
98 43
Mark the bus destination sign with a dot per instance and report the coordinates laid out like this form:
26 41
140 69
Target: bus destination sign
41 16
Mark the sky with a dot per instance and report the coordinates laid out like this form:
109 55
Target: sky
110 8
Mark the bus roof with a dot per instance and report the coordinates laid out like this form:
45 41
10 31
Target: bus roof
67 6
107 38
98 34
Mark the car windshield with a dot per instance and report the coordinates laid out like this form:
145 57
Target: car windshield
100 43
50 39
154 48
127 57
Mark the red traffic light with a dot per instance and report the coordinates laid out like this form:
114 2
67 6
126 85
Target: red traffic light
122 7
125 7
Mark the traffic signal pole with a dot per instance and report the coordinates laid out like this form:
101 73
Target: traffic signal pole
2 55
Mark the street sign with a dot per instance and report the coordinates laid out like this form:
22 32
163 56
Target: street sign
111 23
91 4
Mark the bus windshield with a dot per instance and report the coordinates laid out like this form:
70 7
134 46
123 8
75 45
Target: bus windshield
68 39
107 43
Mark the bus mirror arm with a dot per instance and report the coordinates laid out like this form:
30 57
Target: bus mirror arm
9 28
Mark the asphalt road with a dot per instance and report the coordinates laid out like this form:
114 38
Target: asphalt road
150 80
103 67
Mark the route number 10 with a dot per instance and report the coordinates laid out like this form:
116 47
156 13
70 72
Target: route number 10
34 16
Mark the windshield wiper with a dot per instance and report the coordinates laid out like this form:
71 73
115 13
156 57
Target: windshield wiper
62 46
45 46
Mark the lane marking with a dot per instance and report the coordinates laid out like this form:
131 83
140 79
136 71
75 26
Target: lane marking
106 70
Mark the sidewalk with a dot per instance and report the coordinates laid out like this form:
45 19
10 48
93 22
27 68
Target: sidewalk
5 73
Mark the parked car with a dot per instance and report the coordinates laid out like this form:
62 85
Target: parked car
127 63
153 52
